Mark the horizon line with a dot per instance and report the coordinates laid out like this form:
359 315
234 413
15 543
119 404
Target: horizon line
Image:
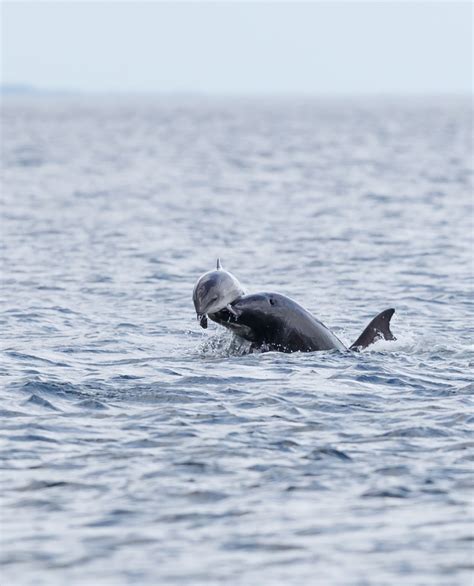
25 89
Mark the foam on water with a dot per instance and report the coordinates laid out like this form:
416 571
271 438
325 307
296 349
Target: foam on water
139 449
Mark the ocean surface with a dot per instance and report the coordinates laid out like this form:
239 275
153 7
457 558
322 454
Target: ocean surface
138 448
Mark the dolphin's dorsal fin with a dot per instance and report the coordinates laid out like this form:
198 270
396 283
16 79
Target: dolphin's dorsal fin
379 328
219 266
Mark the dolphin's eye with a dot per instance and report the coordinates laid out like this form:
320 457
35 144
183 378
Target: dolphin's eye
272 301
214 299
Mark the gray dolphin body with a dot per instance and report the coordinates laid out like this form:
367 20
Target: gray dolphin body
274 322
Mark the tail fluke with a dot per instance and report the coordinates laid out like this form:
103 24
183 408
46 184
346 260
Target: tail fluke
378 329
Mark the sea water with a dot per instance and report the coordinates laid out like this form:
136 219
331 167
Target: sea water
138 448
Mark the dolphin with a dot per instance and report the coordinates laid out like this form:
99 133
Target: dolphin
214 291
271 321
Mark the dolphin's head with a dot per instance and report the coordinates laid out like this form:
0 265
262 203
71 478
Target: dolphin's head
214 291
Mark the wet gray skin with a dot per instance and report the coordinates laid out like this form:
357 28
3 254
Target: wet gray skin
214 291
275 322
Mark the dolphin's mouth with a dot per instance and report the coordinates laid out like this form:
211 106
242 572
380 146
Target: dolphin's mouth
202 319
229 318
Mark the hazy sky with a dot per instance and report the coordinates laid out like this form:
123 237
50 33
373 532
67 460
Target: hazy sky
328 47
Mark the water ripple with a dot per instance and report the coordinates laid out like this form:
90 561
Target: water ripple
137 448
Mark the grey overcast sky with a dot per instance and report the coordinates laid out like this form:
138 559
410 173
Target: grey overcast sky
239 47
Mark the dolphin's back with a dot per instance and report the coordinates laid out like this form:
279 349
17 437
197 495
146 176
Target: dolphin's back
276 322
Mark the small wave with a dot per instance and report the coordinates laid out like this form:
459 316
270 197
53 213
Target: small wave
328 452
32 358
397 492
418 431
38 401
36 485
91 404
33 437
60 389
